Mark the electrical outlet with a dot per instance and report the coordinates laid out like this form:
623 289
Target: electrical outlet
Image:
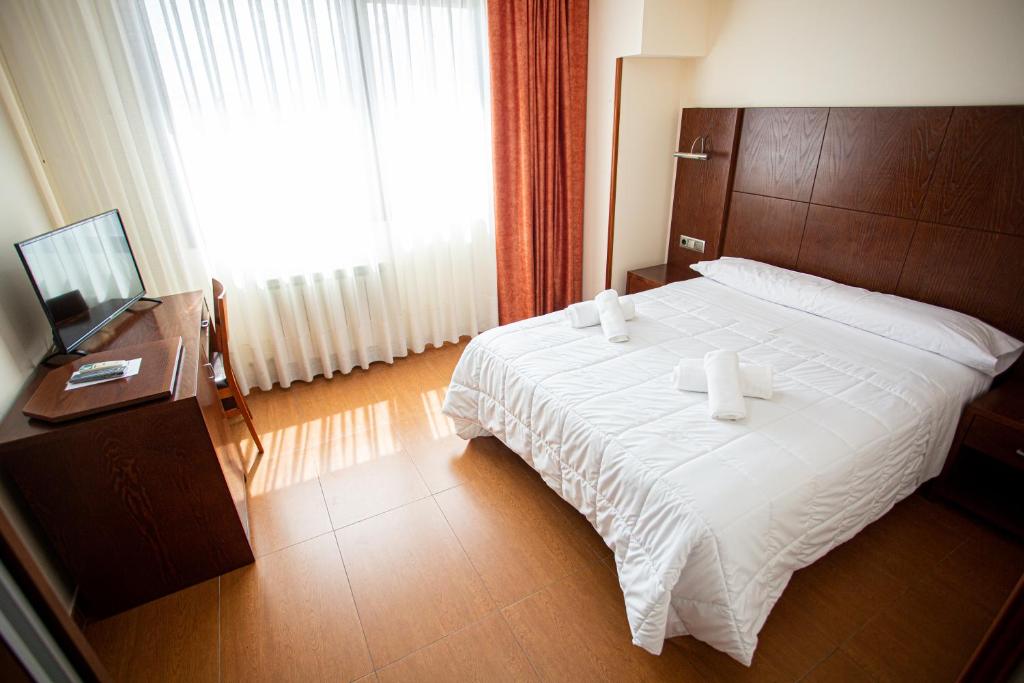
691 243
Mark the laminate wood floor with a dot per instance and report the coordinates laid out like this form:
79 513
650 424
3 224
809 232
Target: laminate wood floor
390 549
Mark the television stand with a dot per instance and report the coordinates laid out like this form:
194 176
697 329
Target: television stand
144 298
144 500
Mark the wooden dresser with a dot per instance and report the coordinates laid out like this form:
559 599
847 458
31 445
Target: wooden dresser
145 500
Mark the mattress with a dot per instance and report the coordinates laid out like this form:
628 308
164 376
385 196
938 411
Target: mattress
707 519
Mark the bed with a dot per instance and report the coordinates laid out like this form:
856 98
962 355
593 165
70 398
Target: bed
708 520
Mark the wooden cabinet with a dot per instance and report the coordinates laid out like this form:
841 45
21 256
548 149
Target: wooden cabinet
145 500
984 472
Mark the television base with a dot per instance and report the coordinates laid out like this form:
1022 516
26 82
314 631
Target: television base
58 354
151 299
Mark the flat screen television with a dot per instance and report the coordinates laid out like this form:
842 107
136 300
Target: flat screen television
84 274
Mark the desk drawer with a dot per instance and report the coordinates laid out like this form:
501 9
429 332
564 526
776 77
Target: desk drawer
996 440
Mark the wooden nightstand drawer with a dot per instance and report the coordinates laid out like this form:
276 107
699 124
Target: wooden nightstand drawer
642 279
996 440
636 284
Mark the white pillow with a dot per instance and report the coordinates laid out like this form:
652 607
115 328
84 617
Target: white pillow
956 336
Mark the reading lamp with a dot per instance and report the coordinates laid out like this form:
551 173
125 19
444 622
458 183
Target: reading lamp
698 156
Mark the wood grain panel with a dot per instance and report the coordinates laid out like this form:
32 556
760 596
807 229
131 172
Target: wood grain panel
485 651
984 567
642 279
702 187
291 618
838 667
576 630
369 488
429 589
979 273
614 175
879 159
778 151
135 515
517 542
139 501
940 627
178 315
860 249
443 458
1000 652
765 229
187 618
980 172
287 515
52 402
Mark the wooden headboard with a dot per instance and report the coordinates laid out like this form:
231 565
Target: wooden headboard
923 202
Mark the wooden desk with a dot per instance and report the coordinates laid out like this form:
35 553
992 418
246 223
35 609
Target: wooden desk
145 500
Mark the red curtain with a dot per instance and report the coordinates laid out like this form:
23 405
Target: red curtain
538 52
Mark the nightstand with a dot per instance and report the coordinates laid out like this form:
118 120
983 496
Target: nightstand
642 279
984 472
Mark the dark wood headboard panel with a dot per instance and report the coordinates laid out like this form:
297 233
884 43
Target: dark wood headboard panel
702 187
779 148
924 202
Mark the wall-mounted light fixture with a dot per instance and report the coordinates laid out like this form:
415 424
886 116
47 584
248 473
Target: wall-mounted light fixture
698 156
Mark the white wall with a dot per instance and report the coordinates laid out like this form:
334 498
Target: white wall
648 130
615 29
624 28
24 332
810 53
868 52
675 28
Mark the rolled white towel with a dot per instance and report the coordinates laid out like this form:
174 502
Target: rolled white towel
585 313
755 380
613 322
725 400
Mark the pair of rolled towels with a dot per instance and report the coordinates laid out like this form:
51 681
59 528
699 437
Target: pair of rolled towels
608 310
721 376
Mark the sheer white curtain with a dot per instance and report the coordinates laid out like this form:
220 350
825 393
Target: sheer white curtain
327 159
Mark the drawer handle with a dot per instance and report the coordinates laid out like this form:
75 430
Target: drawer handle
205 323
1020 452
213 374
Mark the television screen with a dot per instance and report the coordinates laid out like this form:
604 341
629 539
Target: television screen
84 274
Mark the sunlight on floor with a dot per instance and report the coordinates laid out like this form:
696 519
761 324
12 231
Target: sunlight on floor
440 424
316 428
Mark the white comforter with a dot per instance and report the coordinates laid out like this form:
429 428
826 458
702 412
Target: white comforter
708 519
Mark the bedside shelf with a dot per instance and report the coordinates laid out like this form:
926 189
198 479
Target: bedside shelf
987 488
642 279
984 473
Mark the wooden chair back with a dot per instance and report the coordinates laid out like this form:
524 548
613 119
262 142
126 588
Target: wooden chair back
220 343
220 324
